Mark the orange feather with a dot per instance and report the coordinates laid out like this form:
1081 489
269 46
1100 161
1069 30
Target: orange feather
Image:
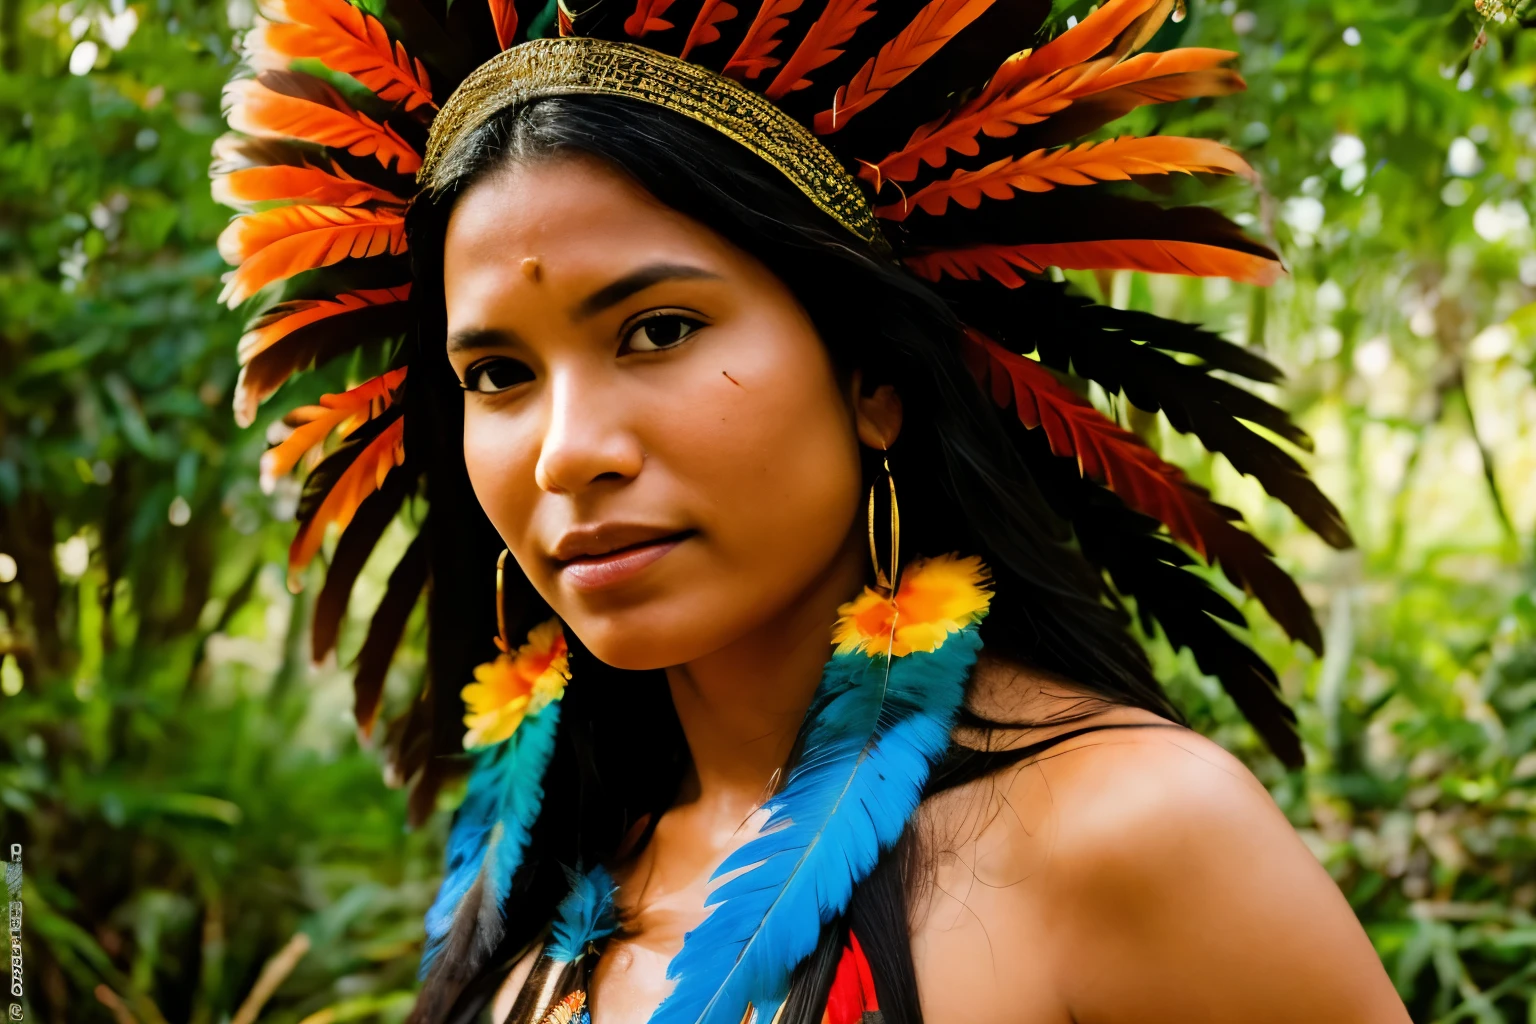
834 27
276 244
1153 256
1083 41
704 30
1124 463
1151 66
504 17
647 18
936 24
342 37
364 476
998 114
1092 162
752 56
321 117
314 423
305 183
268 355
1172 88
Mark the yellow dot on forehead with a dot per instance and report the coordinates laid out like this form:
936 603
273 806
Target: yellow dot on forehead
532 270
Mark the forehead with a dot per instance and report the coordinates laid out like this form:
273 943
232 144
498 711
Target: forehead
576 214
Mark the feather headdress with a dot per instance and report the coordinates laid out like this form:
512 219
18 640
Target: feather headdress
973 140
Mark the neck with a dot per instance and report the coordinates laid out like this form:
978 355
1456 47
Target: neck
741 706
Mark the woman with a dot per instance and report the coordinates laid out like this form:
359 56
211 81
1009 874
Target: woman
664 356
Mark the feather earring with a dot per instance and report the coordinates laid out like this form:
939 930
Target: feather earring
586 915
555 990
513 712
880 719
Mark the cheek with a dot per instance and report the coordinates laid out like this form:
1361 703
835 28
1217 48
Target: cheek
500 452
768 445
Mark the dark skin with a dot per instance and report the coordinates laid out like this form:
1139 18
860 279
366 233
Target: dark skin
656 430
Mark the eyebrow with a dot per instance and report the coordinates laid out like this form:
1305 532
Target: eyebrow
635 282
481 337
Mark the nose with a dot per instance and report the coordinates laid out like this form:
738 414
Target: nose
587 437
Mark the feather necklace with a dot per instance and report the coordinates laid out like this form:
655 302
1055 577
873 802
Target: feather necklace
513 711
879 720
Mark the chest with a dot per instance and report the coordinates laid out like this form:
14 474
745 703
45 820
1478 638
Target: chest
630 980
987 940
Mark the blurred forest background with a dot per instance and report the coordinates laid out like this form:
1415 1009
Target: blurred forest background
205 838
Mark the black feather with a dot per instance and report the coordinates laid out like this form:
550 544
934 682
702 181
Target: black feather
1151 570
384 632
1076 215
1061 327
356 543
319 482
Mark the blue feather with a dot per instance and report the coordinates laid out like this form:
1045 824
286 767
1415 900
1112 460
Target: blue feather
585 915
490 831
873 731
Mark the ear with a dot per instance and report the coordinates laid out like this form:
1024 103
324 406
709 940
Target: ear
877 414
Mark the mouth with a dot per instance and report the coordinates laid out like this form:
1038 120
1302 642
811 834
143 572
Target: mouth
595 564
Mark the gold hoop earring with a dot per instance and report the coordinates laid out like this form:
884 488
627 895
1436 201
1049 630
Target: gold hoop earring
501 600
884 581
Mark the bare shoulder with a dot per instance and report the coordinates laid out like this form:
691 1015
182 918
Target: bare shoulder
1105 771
1136 871
1163 784
1119 800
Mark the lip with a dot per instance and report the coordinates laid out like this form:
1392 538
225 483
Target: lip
594 558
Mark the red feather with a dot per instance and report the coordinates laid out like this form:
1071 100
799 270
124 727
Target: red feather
1088 164
936 24
276 244
364 476
834 27
1154 256
711 14
1140 477
647 18
853 987
998 112
281 342
343 38
277 105
504 15
752 56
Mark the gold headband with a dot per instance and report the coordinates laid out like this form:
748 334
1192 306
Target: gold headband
563 66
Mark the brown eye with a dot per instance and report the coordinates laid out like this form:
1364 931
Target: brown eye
658 332
491 376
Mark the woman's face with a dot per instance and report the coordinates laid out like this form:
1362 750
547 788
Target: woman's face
650 419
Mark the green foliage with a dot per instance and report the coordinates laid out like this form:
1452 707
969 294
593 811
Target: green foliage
185 801
1397 146
188 790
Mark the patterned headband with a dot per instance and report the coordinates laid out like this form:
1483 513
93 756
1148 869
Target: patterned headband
575 65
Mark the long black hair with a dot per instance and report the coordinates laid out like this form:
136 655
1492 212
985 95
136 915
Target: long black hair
973 480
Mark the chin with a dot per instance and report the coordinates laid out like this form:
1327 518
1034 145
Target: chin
645 637
661 630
